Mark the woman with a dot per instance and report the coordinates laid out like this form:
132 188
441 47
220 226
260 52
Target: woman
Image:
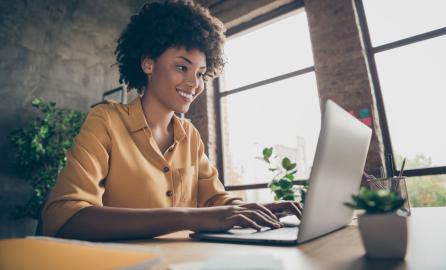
137 170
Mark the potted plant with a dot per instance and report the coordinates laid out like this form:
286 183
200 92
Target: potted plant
39 152
383 230
282 183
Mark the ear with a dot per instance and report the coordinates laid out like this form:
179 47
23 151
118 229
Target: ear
147 65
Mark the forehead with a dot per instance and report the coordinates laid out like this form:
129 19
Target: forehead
197 57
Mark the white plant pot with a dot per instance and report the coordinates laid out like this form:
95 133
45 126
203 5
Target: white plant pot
384 235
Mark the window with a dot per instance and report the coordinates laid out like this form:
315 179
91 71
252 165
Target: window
415 98
407 58
268 97
427 191
389 21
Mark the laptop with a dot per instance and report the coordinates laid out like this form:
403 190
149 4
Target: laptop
336 174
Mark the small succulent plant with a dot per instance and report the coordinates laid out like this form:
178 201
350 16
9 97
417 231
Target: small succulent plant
376 201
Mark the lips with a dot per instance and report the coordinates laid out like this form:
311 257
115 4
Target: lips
187 96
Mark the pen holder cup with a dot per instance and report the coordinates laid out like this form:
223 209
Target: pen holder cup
395 184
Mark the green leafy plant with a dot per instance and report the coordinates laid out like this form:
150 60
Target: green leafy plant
39 151
282 183
376 201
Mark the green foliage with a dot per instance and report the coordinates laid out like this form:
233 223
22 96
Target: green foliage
267 153
39 151
282 183
424 191
427 191
376 201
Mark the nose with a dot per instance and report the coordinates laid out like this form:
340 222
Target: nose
193 82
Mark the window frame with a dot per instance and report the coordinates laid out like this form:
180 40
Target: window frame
370 53
270 16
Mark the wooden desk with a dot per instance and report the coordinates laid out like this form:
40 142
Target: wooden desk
339 250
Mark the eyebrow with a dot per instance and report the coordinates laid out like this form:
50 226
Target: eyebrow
188 60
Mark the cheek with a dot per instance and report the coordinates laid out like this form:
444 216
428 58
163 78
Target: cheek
200 89
169 77
176 77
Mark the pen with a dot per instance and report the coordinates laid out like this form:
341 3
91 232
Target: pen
402 168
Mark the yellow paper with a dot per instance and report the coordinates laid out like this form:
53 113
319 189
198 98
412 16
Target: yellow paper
51 253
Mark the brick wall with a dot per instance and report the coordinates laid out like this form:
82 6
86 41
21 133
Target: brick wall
341 66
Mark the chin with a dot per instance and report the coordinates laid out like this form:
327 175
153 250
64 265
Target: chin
182 110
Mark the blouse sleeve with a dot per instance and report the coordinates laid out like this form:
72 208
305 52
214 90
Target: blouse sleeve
211 191
80 183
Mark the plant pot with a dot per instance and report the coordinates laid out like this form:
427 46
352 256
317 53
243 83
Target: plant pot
384 235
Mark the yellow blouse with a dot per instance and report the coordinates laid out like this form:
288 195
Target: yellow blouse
116 162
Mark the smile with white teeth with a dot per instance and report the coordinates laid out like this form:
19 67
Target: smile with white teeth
184 94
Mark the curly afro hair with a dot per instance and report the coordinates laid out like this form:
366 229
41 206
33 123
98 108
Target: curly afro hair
162 25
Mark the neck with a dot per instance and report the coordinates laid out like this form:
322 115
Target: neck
157 116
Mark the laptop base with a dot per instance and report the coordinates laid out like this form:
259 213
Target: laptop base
283 236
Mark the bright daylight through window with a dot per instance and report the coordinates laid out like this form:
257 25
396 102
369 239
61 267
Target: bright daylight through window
284 114
413 86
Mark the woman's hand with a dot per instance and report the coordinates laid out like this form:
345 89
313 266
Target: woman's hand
275 209
285 208
223 218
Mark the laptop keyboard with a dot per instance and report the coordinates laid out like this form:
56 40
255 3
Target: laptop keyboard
264 230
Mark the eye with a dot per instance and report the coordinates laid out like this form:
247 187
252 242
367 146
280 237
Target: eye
181 68
200 75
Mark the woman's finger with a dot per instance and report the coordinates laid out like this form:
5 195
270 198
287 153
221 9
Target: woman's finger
285 208
261 208
274 207
261 219
268 217
243 221
299 205
294 209
261 213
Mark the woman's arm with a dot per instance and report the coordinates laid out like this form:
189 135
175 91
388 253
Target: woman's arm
96 223
99 223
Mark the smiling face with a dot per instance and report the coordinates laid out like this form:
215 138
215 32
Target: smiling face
175 78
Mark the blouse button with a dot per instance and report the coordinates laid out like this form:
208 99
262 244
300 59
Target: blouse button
165 169
169 193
